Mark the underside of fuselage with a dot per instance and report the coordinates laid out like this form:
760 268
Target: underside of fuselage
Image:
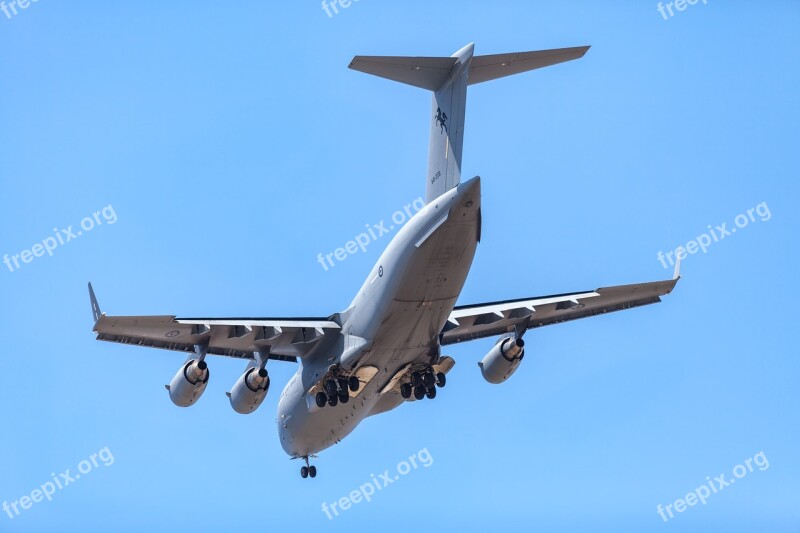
401 310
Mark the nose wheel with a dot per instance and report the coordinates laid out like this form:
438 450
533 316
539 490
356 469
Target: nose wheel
308 470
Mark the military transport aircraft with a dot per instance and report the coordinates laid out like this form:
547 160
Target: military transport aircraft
386 347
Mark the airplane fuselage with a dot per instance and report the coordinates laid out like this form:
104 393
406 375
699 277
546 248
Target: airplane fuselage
394 320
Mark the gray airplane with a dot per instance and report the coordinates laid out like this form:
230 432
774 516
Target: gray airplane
386 347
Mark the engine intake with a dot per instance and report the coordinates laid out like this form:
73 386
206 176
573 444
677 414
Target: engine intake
189 383
249 391
503 359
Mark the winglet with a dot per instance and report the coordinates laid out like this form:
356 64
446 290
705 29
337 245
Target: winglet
96 313
677 274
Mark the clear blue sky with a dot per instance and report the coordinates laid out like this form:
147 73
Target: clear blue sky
234 146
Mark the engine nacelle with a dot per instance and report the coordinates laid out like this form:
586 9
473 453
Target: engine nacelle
189 383
249 391
503 359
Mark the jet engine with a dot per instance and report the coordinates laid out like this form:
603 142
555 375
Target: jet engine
503 359
249 391
189 383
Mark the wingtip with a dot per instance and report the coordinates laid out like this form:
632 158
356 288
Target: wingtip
676 275
96 313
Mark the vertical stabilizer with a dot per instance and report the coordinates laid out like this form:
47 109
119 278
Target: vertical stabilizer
447 127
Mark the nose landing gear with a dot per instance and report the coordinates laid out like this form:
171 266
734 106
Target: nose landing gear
308 470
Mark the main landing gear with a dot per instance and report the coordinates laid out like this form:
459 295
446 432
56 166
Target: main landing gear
422 383
308 470
336 391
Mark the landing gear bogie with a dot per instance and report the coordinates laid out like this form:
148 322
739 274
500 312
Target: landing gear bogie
336 388
421 382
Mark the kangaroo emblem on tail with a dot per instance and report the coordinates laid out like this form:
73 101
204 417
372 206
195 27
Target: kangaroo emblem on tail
441 120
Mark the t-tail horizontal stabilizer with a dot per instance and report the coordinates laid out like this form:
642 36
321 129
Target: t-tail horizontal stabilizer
448 78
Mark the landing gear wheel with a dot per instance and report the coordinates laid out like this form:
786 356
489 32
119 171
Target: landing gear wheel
416 379
428 380
431 393
353 383
333 401
343 384
304 472
321 399
312 471
331 388
419 392
344 397
405 390
441 379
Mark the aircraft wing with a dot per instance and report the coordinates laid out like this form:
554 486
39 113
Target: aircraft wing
283 339
496 318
